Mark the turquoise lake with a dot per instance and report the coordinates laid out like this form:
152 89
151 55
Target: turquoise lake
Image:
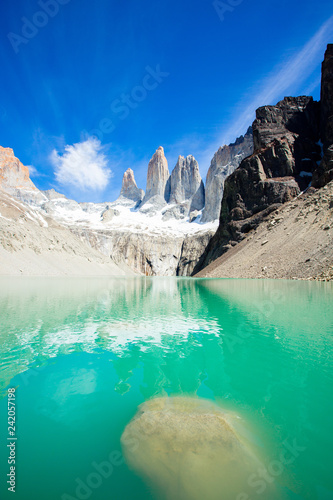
83 354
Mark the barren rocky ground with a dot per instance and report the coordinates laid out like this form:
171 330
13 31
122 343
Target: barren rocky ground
294 242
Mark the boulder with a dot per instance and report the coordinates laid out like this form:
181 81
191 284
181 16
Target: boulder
109 214
188 449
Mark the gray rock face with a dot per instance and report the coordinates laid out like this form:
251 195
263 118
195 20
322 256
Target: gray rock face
146 253
129 189
186 184
109 214
177 212
326 98
191 252
52 194
224 162
157 176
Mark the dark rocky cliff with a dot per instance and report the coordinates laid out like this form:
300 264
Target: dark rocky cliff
287 155
324 173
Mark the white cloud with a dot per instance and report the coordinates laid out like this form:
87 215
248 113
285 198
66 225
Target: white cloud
33 171
82 165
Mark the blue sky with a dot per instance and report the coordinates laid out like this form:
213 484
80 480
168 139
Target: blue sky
89 89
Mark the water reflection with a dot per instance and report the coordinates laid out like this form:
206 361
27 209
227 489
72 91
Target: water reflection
45 318
261 348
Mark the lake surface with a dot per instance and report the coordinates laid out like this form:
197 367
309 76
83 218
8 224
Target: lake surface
84 354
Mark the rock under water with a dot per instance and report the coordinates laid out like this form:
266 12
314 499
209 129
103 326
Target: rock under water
187 449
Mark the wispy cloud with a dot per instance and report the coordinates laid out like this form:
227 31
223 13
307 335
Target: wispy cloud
311 87
83 166
284 78
33 171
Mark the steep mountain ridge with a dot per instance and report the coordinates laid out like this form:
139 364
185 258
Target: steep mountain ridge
13 174
324 173
224 162
129 189
170 229
291 146
295 241
186 184
147 237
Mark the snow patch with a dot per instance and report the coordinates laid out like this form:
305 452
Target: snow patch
3 217
126 219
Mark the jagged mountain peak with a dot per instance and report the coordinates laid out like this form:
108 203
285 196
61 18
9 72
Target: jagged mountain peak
129 188
291 115
157 177
186 184
13 174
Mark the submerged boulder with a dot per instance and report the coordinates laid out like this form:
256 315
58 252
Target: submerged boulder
187 449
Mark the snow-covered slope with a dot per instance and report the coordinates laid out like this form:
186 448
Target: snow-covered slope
147 239
34 244
160 234
122 215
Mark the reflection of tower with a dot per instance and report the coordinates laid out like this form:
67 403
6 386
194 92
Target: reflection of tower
154 380
171 329
165 332
217 312
124 366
